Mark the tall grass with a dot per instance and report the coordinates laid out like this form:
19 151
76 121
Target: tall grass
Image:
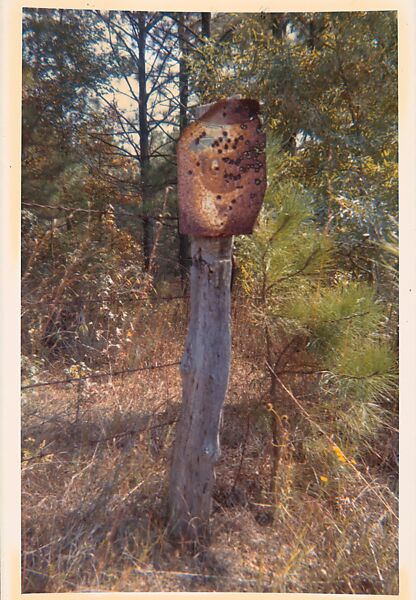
94 474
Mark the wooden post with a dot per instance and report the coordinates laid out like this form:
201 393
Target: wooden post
204 369
213 207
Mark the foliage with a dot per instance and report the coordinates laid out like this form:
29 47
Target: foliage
318 321
93 491
324 81
313 268
315 307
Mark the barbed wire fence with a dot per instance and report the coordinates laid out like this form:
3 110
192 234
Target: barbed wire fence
99 375
48 214
49 303
131 296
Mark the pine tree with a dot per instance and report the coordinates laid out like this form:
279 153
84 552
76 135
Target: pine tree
324 80
320 328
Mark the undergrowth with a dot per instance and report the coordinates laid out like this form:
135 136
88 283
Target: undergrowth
95 459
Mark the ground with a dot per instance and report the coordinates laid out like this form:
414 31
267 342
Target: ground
95 461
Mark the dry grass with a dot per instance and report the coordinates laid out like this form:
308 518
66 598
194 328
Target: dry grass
94 477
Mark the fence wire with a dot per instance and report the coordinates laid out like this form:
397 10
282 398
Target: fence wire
98 375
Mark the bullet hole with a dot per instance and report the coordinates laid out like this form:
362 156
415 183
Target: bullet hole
247 143
225 146
203 134
198 163
224 114
243 126
241 137
220 139
219 197
219 151
258 130
257 181
224 133
233 201
197 141
239 187
229 140
234 146
230 208
189 172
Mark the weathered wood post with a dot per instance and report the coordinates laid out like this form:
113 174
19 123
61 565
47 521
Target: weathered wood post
221 184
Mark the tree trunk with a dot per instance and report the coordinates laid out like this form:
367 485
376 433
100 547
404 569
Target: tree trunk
276 442
184 241
144 141
204 370
206 24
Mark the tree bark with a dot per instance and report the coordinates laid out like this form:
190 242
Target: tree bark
204 370
206 24
144 140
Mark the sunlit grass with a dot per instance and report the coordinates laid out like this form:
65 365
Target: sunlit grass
94 485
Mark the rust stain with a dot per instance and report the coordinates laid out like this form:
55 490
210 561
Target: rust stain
222 170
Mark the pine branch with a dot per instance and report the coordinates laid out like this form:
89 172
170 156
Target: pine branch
295 273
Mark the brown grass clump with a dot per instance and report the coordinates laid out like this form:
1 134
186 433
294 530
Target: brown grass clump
94 483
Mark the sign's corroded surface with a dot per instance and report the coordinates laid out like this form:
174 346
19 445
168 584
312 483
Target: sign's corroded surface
222 170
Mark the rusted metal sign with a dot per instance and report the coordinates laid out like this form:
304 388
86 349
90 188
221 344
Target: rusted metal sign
222 170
